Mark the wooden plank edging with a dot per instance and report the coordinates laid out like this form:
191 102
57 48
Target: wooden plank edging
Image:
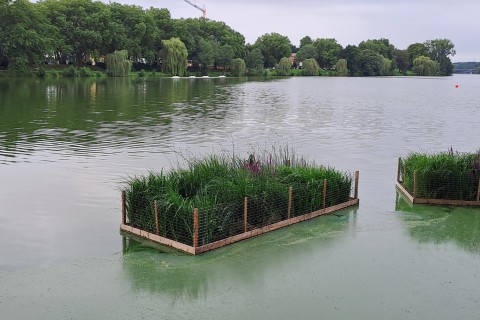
153 237
404 191
239 237
274 226
442 202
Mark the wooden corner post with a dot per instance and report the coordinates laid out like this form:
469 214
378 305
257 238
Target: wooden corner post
124 213
399 168
478 190
245 214
357 174
195 227
289 211
324 193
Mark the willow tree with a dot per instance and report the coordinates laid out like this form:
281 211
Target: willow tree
117 64
424 66
310 67
341 67
386 67
238 67
174 55
284 66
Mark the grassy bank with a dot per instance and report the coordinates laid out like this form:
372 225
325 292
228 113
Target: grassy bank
217 186
446 175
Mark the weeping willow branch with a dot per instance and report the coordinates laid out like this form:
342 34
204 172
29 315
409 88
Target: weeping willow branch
118 64
174 54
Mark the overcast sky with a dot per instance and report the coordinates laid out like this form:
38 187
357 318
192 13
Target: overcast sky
403 22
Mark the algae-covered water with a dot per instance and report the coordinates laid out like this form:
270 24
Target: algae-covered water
66 146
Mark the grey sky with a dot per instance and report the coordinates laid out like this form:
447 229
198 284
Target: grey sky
348 21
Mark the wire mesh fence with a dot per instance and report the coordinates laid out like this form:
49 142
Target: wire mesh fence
209 221
440 184
173 222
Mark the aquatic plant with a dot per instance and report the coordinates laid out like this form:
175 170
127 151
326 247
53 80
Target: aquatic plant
445 175
218 184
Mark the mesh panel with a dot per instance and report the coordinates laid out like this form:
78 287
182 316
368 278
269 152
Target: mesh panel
173 219
441 184
220 222
172 222
447 185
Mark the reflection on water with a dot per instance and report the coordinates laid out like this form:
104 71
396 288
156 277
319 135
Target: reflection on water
84 116
442 224
96 117
179 275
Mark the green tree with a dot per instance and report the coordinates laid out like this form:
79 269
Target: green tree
163 21
273 47
371 63
284 66
386 67
383 47
238 67
439 50
328 52
224 56
81 25
310 67
125 29
150 39
25 35
305 41
307 51
206 54
222 34
416 50
341 67
403 60
352 55
424 66
254 61
190 31
174 54
118 64
478 70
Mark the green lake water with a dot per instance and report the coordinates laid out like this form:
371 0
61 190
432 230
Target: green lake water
66 146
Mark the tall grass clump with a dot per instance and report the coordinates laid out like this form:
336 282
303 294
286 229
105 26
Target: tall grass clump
445 175
218 184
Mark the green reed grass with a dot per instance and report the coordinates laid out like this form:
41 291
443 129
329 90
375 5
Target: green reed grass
217 185
445 175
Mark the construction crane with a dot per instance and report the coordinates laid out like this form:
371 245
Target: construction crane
199 8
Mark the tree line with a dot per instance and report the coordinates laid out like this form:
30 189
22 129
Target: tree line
80 31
